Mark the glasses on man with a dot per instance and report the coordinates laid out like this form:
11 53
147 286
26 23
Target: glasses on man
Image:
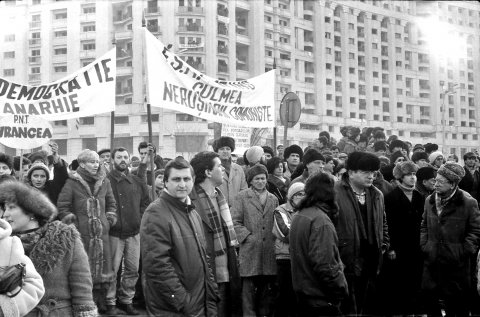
440 181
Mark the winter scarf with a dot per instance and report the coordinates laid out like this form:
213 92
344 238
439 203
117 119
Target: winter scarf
92 184
218 223
408 191
440 202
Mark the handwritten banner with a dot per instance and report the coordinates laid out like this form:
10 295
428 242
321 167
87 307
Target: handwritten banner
241 135
24 131
86 92
175 85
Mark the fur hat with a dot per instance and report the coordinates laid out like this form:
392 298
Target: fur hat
38 166
293 149
312 155
420 155
431 147
452 171
254 154
7 160
224 141
269 150
40 155
397 143
434 156
295 188
380 146
404 168
418 147
425 173
29 199
395 156
362 161
256 170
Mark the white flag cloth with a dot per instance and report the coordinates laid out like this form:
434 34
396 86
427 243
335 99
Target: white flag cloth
88 91
175 85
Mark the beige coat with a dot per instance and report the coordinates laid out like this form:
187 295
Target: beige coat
233 183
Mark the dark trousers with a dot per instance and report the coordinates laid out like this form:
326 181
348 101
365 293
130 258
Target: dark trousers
309 311
361 299
258 295
456 305
286 303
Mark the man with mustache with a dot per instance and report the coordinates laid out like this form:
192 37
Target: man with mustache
131 195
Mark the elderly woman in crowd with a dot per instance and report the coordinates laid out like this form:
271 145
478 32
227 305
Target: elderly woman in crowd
252 215
87 201
55 249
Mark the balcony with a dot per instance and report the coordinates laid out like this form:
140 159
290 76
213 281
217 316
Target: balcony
34 42
87 35
242 4
222 30
34 59
34 77
152 11
222 49
241 30
59 58
60 23
190 28
154 29
120 19
88 17
35 25
88 54
124 35
124 71
190 10
222 68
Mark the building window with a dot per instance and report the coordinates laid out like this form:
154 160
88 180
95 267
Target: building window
9 72
90 143
88 27
60 51
121 119
10 54
60 69
60 15
88 9
9 38
88 46
62 33
87 120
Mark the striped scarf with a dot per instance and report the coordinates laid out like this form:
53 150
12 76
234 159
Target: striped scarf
219 224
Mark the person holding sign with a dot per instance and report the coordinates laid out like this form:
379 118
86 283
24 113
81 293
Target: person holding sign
38 176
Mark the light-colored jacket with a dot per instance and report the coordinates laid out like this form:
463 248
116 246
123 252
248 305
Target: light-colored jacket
282 221
253 225
11 251
233 183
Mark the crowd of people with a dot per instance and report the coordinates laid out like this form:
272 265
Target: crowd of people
368 225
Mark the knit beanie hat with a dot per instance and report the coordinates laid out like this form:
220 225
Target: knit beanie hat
395 156
256 170
417 156
224 141
404 168
425 173
38 166
295 188
254 154
434 156
312 155
452 171
29 199
293 149
269 150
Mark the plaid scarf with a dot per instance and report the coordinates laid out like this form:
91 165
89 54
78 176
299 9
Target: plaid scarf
218 223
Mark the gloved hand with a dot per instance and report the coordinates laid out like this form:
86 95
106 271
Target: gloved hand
69 219
112 218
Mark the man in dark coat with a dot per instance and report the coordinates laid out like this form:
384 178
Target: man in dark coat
362 229
212 206
471 182
450 233
401 272
425 181
176 276
131 195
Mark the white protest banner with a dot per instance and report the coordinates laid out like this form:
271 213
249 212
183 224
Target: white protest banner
241 135
24 131
173 84
88 91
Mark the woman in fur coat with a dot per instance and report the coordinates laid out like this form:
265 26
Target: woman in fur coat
87 201
55 249
32 290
